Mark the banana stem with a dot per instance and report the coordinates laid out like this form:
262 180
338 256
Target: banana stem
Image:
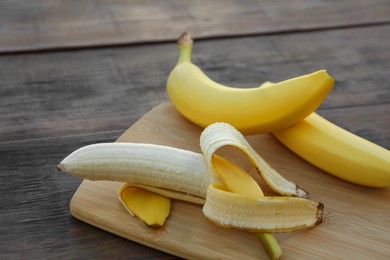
270 244
185 48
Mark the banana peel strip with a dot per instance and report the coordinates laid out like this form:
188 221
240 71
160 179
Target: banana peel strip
254 213
218 135
263 214
174 194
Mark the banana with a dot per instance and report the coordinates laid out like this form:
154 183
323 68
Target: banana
185 175
175 171
337 151
230 197
152 166
250 110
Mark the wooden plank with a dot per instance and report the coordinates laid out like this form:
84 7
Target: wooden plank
67 93
34 206
51 24
349 230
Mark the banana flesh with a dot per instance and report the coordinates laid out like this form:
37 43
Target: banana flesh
337 151
250 110
180 172
143 165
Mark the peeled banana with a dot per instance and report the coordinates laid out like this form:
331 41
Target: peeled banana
185 175
250 110
230 197
148 166
337 151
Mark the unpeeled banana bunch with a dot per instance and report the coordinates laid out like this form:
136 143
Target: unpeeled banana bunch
285 109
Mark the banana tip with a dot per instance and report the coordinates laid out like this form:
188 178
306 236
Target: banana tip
301 192
329 74
185 39
60 167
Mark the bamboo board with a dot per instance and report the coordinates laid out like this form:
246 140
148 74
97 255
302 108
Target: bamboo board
356 219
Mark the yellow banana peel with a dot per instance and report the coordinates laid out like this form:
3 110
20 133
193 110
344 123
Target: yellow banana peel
250 110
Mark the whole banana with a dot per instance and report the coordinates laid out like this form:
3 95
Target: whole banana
338 151
250 110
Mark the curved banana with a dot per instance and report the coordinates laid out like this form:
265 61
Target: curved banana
337 151
185 175
250 110
231 197
170 171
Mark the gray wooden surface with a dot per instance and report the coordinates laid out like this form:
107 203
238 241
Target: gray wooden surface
74 73
54 24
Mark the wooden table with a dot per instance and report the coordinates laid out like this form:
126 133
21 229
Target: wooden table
79 72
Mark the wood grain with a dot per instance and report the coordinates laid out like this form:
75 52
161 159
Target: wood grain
53 24
66 93
35 199
349 230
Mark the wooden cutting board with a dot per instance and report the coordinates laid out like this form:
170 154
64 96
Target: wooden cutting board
356 219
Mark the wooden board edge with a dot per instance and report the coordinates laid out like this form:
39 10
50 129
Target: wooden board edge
82 215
